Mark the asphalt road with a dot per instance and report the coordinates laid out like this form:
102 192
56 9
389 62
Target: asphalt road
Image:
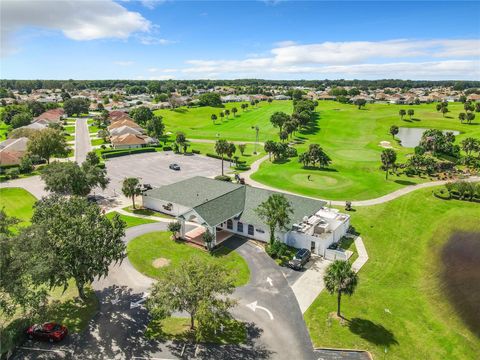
82 140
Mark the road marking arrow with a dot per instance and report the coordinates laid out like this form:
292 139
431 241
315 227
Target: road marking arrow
270 281
138 303
254 307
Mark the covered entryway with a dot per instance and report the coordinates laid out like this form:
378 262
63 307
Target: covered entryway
195 236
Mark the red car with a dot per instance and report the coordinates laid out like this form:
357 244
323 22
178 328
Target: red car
47 332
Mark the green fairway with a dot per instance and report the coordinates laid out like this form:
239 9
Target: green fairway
197 124
131 221
351 137
18 203
145 249
400 302
248 157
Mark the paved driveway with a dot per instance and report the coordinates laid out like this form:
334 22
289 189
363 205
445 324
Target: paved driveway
82 140
153 169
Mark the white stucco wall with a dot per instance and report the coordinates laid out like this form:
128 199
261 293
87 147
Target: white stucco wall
265 236
157 205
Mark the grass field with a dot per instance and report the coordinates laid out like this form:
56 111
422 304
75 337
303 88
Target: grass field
131 221
400 302
248 157
350 137
96 142
147 212
70 129
18 203
196 122
143 250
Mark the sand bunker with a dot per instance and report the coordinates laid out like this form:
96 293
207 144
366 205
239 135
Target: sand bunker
160 262
386 144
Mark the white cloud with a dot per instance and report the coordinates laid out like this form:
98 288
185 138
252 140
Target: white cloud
410 59
77 20
162 77
151 40
124 63
157 70
151 4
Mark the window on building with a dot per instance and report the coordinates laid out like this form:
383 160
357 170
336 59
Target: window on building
240 227
229 224
250 230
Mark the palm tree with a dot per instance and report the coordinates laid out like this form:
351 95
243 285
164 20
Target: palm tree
275 212
340 279
394 130
213 117
221 148
402 113
470 117
444 110
174 227
131 188
221 116
227 113
389 157
410 113
462 116
470 144
234 111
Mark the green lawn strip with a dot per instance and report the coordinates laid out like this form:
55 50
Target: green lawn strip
347 243
17 202
70 137
69 129
143 250
92 129
96 142
399 303
147 212
4 177
178 329
131 221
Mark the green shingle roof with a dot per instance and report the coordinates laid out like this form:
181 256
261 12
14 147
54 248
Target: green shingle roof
217 201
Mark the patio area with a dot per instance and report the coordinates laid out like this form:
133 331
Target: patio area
195 236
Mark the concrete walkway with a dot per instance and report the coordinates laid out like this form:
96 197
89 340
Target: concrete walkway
310 284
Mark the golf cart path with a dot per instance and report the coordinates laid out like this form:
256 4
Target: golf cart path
380 200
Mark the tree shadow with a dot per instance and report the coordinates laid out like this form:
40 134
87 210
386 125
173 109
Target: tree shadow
316 168
374 333
180 110
404 182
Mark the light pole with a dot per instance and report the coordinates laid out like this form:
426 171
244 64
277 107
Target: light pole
257 129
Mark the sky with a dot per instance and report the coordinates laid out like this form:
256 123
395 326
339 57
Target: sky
158 40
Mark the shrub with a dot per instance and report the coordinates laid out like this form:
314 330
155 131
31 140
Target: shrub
215 156
167 148
13 173
118 153
277 249
196 151
26 165
223 178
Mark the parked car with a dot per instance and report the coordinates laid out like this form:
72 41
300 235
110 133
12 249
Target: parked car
146 187
300 259
174 167
50 331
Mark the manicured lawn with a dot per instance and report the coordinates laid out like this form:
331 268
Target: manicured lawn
69 129
400 302
92 129
70 137
131 221
351 137
143 250
18 203
248 157
147 212
178 329
197 124
96 142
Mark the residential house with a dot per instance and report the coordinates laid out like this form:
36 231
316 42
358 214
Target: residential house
122 130
131 141
12 151
51 116
225 208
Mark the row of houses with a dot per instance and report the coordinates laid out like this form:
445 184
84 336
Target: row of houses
125 133
12 150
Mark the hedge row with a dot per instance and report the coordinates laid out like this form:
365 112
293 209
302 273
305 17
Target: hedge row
127 152
239 162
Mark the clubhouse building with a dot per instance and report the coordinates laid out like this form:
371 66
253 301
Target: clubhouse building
226 208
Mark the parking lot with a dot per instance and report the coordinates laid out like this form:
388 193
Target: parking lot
153 168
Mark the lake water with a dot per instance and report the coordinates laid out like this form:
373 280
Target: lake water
410 137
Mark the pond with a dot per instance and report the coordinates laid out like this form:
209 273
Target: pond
410 137
460 277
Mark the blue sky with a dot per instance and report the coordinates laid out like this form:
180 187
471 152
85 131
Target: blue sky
247 39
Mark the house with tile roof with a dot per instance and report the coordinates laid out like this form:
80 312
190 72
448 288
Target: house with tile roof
225 209
131 141
12 151
51 116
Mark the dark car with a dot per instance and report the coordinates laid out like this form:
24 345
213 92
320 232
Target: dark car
146 187
50 331
300 259
174 167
